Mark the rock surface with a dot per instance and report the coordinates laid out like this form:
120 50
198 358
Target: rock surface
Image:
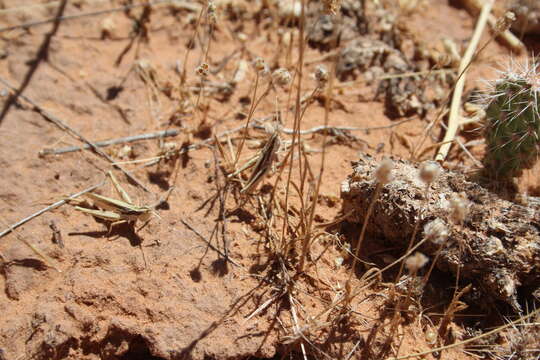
497 247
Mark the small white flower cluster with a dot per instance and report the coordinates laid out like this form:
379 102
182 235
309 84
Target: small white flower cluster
459 209
429 171
321 76
203 70
416 261
211 12
436 231
383 174
281 77
260 66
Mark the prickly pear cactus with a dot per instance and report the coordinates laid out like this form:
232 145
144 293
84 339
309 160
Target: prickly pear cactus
513 123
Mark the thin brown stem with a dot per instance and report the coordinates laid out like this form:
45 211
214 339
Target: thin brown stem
376 194
307 236
183 76
250 114
297 113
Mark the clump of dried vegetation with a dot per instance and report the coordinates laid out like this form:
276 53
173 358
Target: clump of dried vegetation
483 251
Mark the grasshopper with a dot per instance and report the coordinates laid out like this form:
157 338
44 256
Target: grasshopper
263 163
121 211
118 211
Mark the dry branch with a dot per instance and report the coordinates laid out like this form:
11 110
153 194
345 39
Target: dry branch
127 139
509 39
48 208
64 126
191 6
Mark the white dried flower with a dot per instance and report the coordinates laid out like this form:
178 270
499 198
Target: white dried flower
505 21
281 77
383 174
321 75
459 208
125 152
431 336
415 262
203 70
436 231
169 146
289 9
429 171
211 12
260 65
108 27
242 37
331 7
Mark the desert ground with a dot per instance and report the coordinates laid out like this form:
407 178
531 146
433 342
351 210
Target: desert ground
266 179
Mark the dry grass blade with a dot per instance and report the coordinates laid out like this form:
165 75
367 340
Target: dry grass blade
468 341
183 150
454 118
48 208
263 306
209 244
512 41
48 261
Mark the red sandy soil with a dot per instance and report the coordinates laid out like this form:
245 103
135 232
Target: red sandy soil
186 302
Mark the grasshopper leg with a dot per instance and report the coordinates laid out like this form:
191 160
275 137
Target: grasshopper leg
115 223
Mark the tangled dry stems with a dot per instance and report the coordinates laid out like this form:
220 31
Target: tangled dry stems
287 219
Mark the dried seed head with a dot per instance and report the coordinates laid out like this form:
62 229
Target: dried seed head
321 75
108 27
415 262
383 174
281 77
125 152
272 126
459 208
203 70
504 22
431 336
289 10
429 171
242 37
260 65
169 150
331 7
169 146
211 12
436 231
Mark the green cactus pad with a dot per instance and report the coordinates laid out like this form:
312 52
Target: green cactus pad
513 125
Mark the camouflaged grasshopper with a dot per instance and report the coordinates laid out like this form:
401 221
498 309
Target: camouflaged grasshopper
118 211
263 160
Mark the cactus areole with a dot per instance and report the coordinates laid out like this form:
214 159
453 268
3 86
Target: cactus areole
513 123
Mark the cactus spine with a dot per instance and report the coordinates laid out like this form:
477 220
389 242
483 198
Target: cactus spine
513 123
